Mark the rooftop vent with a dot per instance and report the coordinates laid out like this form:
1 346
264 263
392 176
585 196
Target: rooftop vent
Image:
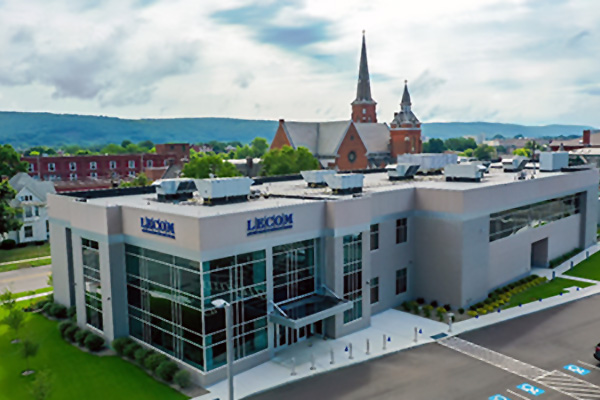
316 178
464 172
223 190
515 165
397 172
553 161
174 189
345 183
428 162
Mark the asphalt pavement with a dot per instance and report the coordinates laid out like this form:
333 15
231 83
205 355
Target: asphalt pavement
547 341
25 279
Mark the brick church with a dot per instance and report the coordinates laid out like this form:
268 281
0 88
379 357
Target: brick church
361 142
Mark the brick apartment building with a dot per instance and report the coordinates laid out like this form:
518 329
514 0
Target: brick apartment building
590 138
98 171
360 142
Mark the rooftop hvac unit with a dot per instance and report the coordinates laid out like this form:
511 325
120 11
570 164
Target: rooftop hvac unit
174 189
428 163
553 161
517 164
223 190
464 172
345 183
399 172
316 178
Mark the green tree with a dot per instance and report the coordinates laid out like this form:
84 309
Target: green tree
460 144
112 148
287 161
9 220
201 167
484 152
133 148
29 349
243 152
70 149
467 153
523 152
41 385
259 146
39 150
519 136
83 152
126 143
14 320
146 145
500 150
434 146
10 161
140 180
498 136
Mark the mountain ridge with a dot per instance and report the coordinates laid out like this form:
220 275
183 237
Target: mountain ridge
26 129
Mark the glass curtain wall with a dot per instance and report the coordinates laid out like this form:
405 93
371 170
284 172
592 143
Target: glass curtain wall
90 257
353 276
293 270
510 222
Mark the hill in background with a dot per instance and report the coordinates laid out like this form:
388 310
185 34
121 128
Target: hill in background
24 130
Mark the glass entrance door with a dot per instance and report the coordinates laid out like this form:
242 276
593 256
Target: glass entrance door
285 336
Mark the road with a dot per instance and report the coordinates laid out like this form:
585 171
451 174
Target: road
22 280
544 343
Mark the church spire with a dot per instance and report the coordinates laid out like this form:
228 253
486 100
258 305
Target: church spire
363 107
405 97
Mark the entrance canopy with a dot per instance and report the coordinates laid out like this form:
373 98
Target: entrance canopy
308 310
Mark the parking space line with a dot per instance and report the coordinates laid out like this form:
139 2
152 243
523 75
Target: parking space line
589 365
517 394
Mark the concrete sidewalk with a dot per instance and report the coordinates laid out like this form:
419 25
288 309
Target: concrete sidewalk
24 261
398 326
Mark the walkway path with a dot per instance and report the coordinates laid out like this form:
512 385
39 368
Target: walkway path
24 261
295 362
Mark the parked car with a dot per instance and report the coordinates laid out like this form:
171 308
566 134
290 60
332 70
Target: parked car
597 353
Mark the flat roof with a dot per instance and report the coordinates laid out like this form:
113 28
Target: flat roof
295 192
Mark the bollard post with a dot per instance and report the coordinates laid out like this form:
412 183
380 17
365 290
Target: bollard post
416 334
312 362
293 366
553 275
450 316
368 347
350 352
384 341
571 264
587 254
332 357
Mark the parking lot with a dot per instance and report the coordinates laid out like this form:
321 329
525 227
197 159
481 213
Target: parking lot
547 355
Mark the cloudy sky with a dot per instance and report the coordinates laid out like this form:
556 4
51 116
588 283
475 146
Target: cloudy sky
521 61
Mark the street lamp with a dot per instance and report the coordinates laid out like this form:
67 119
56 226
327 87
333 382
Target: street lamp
220 303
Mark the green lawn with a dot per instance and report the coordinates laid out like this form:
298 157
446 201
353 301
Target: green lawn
29 264
75 374
589 269
549 289
24 253
29 293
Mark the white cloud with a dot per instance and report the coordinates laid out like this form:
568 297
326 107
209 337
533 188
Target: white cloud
523 61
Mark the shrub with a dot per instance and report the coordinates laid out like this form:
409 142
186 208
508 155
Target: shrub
46 308
461 311
71 312
448 307
420 301
472 313
120 343
440 311
62 327
415 310
481 311
81 335
406 306
8 244
488 301
166 370
93 342
141 354
427 312
472 308
130 349
434 303
58 311
153 361
182 378
70 332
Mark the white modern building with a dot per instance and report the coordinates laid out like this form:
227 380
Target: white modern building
298 260
31 200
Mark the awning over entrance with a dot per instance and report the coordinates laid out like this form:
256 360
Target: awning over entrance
308 310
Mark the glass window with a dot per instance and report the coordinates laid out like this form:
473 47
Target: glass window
51 167
513 221
28 211
293 270
401 281
401 230
353 276
374 290
29 231
374 237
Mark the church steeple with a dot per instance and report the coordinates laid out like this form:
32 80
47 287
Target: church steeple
405 103
363 107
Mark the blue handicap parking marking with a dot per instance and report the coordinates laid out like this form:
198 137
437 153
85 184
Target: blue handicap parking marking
498 397
529 388
578 370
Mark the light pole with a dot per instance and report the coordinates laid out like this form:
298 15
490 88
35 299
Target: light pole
220 303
